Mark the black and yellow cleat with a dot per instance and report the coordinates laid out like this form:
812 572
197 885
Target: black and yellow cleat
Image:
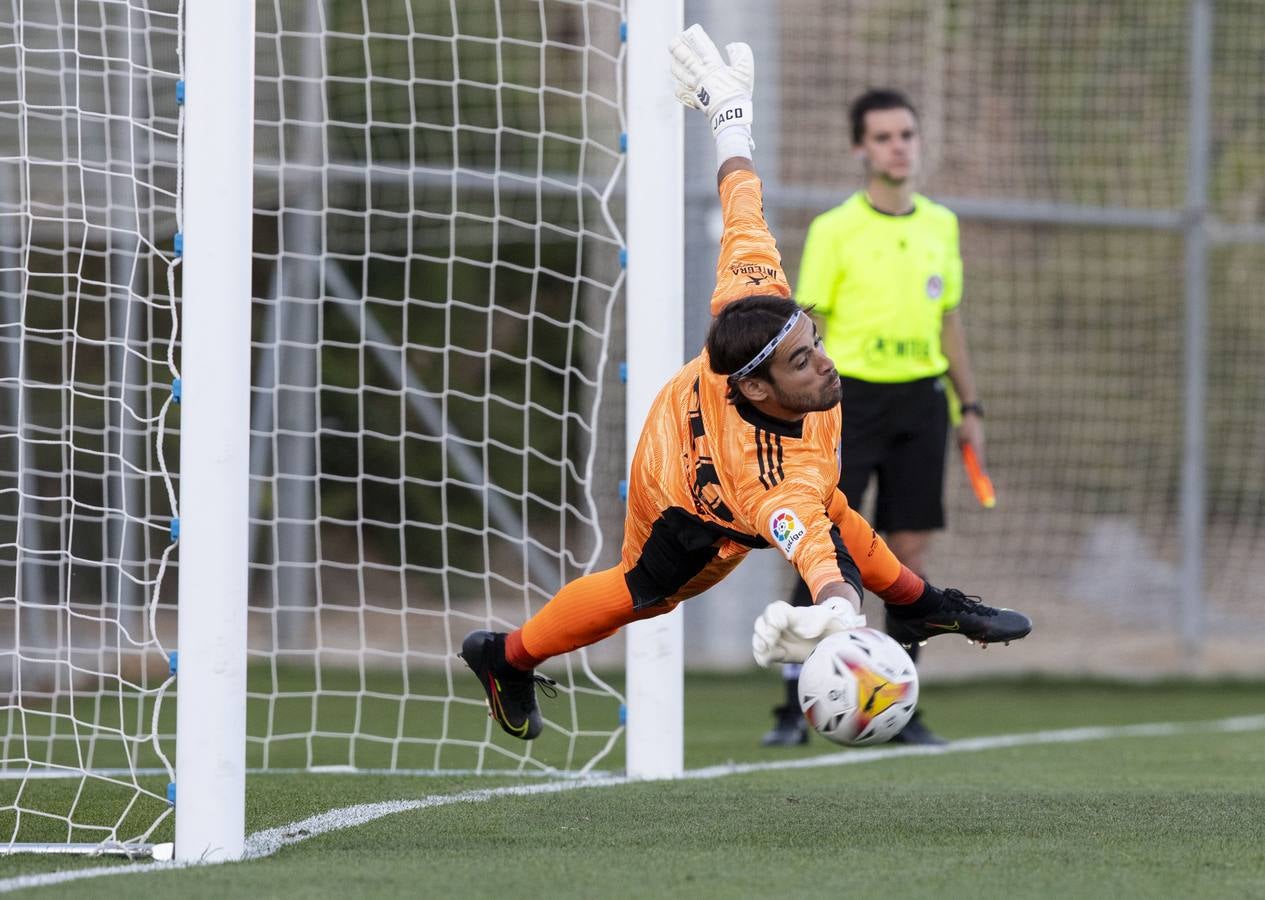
511 692
958 613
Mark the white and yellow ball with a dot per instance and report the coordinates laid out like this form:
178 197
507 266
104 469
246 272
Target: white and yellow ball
858 687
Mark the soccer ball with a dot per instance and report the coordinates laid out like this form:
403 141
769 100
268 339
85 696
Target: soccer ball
858 687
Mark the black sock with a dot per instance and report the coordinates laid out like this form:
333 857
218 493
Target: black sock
928 602
500 665
792 692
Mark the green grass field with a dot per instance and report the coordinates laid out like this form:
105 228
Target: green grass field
1135 816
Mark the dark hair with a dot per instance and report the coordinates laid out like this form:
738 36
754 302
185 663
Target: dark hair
741 330
872 100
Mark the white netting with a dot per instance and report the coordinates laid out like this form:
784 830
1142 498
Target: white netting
436 262
436 265
88 200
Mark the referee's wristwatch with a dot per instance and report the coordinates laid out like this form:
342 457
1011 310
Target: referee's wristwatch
977 408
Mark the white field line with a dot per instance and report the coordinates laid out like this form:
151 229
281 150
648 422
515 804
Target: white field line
265 843
54 773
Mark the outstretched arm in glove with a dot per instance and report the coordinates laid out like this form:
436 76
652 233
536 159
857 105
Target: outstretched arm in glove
785 633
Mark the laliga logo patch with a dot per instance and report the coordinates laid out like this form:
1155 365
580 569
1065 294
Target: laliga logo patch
786 530
935 287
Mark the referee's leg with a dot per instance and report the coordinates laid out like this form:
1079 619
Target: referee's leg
910 504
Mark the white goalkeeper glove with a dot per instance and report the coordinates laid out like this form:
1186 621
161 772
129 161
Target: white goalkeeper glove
721 90
785 633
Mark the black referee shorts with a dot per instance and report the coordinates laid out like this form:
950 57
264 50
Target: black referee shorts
897 433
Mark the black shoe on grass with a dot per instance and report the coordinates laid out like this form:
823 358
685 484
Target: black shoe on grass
790 728
916 732
959 614
511 692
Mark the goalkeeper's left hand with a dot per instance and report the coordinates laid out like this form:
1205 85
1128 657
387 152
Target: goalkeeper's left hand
705 81
785 633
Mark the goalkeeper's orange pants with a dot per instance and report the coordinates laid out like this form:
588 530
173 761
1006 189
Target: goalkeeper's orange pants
592 608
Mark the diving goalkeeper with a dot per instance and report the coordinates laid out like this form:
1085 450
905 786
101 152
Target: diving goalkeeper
740 451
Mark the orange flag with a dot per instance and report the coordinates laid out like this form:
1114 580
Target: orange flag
980 482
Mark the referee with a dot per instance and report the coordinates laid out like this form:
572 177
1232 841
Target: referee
885 273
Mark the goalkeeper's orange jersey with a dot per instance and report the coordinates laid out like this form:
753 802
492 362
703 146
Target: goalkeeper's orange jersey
711 480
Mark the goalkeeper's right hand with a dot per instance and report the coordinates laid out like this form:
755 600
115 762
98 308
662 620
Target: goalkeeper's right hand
785 633
705 81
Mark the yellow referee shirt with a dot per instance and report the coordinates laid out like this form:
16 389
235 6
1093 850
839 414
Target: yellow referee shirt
881 284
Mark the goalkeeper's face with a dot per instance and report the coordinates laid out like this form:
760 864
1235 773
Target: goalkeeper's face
802 378
890 146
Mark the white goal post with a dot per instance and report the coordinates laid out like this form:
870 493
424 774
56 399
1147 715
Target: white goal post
219 101
655 350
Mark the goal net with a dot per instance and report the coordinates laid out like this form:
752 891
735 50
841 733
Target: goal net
436 424
89 202
437 259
